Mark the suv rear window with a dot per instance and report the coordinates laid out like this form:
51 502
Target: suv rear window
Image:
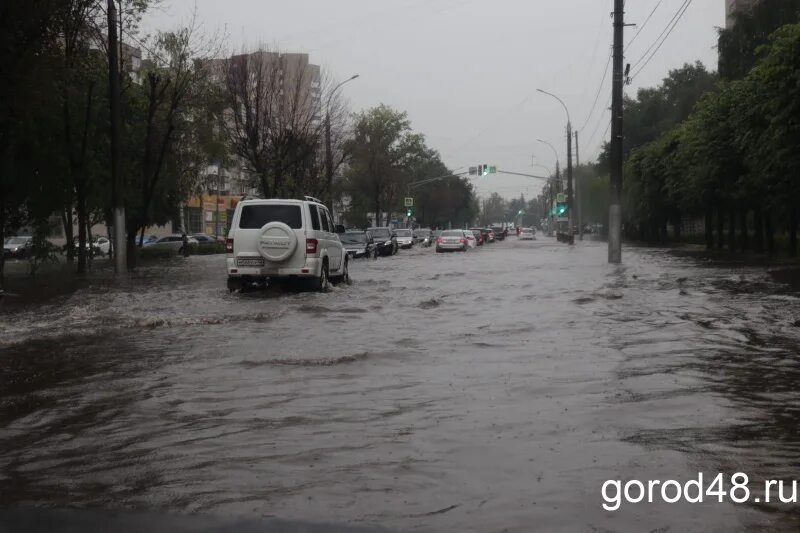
256 216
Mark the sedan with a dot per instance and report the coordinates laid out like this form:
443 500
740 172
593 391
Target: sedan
17 247
471 240
478 236
527 234
423 237
452 241
405 238
358 243
172 242
385 241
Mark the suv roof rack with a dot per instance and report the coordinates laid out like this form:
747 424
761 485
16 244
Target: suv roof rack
312 199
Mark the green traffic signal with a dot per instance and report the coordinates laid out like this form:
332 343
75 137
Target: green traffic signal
561 209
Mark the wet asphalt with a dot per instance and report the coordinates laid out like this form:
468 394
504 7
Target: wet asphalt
489 391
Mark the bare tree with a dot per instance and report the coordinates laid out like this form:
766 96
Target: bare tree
274 119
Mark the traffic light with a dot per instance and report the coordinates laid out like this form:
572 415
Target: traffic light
485 170
561 209
409 212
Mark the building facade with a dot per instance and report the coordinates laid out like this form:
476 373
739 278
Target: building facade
732 6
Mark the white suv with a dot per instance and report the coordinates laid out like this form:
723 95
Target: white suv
284 239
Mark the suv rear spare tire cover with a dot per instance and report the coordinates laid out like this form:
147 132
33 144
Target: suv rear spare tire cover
277 242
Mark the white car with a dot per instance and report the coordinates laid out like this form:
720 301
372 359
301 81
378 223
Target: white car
471 240
405 238
527 234
273 239
172 242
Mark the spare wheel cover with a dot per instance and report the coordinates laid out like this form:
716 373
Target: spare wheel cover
277 242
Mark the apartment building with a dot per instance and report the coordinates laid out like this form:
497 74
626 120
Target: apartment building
732 6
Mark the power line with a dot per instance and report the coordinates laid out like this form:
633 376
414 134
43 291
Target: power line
599 90
677 14
680 16
643 25
599 122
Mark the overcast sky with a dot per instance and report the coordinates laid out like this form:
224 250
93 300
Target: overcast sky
466 71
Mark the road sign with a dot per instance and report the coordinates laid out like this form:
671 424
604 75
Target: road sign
409 202
561 198
562 219
492 170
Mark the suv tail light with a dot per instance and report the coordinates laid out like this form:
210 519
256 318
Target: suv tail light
228 246
463 241
439 240
311 246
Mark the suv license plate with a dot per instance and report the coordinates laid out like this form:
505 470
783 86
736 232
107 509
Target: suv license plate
250 261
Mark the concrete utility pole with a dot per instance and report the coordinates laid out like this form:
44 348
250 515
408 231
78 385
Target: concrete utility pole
117 202
578 191
329 149
615 204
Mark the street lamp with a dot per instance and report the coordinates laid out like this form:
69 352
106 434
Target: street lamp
569 160
555 152
328 149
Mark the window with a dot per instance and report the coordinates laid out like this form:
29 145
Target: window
194 219
257 216
326 221
314 216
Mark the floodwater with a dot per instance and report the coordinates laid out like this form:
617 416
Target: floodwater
490 391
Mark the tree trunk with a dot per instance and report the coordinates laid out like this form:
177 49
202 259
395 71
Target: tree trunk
678 226
66 221
2 239
770 233
744 241
80 200
758 230
709 229
90 239
793 232
720 228
732 232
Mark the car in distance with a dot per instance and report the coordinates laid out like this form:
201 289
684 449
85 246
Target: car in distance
283 239
527 234
385 240
207 240
452 241
405 238
478 236
17 247
172 242
499 233
357 243
471 240
423 237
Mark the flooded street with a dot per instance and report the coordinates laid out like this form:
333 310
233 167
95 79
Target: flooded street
490 391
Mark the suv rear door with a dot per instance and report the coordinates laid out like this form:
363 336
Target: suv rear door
332 243
250 221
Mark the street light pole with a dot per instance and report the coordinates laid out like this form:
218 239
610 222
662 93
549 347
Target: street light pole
328 148
569 163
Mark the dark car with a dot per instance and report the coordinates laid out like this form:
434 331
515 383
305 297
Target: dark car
17 247
423 237
358 243
385 241
499 233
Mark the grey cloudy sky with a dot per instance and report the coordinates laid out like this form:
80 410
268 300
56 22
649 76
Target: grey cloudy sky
466 71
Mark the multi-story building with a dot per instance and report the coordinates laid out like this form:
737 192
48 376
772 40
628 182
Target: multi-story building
732 6
294 88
